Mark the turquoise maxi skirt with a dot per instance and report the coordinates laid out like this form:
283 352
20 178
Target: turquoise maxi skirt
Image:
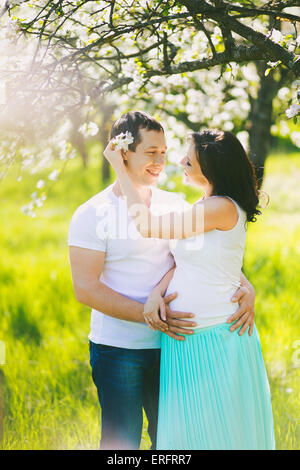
214 392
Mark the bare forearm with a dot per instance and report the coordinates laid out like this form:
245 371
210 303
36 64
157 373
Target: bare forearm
163 284
127 187
138 210
104 299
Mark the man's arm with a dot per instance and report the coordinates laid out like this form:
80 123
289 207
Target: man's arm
86 267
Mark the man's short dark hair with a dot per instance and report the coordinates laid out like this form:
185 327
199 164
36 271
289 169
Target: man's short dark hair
133 122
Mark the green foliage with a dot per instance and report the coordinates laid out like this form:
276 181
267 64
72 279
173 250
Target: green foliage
50 399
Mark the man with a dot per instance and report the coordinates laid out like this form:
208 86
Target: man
114 270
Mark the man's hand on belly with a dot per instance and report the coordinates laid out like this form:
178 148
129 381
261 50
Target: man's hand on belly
245 296
178 323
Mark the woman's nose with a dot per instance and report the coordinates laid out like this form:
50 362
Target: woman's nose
182 162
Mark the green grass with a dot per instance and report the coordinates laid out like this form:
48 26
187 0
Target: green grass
49 399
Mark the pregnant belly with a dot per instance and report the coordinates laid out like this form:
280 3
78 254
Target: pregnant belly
202 300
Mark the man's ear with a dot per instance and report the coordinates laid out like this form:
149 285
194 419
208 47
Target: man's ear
124 156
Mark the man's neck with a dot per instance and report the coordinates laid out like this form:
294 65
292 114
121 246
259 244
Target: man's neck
144 191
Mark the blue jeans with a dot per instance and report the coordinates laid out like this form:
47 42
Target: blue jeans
127 381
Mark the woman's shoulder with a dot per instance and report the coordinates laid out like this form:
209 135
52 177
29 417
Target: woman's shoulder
223 203
226 208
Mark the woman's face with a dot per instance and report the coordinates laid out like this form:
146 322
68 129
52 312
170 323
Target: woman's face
192 169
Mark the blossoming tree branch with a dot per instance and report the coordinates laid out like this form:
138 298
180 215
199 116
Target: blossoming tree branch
63 57
87 36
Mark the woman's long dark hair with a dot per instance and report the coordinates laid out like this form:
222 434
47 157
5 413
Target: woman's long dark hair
225 164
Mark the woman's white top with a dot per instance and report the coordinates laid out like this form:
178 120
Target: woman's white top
208 270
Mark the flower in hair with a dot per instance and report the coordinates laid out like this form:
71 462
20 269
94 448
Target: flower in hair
293 110
122 141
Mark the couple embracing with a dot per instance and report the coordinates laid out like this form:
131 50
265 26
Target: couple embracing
166 334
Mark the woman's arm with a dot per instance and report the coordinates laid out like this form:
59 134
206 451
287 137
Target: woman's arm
214 213
156 303
163 284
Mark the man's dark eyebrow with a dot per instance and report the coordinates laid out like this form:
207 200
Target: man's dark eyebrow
154 147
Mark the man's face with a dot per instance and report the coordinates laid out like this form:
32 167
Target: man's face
149 158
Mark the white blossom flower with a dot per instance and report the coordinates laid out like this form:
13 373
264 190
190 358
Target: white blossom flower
293 110
228 126
24 209
122 141
295 137
88 129
40 184
38 202
274 64
28 210
283 93
12 29
276 36
66 151
283 128
53 175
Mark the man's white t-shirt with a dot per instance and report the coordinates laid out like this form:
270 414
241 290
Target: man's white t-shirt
133 264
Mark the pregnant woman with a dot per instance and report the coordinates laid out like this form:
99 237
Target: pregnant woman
214 390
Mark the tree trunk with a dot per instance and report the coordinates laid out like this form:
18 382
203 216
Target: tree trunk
76 138
260 118
107 113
